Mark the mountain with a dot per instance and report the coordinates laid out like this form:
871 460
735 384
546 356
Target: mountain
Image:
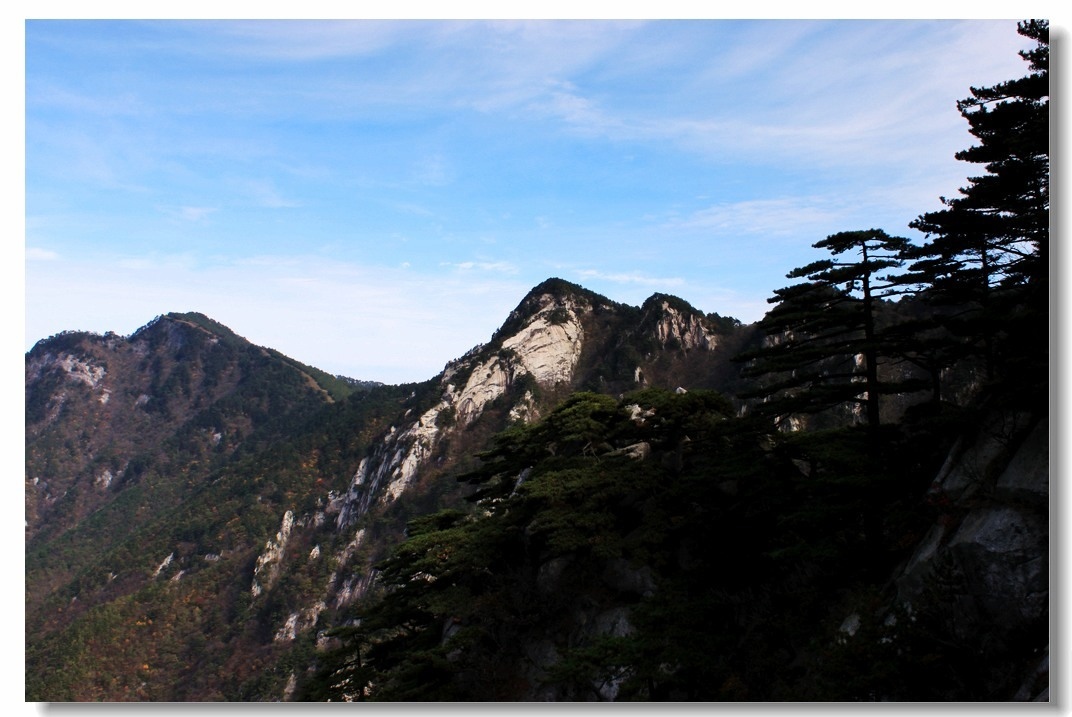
199 509
579 509
101 409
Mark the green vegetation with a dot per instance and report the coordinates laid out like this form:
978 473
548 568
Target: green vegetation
699 527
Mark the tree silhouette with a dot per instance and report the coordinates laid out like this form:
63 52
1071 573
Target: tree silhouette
823 346
984 267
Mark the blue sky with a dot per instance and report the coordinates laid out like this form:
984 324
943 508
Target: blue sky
373 198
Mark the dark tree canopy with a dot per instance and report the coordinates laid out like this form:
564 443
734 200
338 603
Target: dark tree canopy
824 346
985 263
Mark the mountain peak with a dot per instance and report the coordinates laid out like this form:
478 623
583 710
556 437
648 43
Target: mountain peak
210 325
562 289
660 300
551 293
191 319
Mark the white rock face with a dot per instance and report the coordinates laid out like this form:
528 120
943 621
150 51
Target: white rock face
298 622
359 475
104 479
351 587
525 411
348 591
689 331
549 351
80 370
422 437
639 415
77 370
167 562
546 349
637 451
487 382
267 567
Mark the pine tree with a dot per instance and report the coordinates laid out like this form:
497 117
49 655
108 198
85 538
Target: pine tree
824 347
984 267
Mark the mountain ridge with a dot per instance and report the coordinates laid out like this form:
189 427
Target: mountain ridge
556 287
213 426
205 519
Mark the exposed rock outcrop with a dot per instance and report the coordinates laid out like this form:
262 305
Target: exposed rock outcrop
268 562
987 555
684 328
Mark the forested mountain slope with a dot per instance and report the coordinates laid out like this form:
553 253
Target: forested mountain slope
629 522
213 502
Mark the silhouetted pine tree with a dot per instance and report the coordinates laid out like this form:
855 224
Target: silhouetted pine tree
985 265
824 346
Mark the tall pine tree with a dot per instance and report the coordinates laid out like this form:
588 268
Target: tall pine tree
984 267
824 346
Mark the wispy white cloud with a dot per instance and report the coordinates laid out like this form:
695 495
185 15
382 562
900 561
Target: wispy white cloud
434 171
38 254
519 65
195 214
95 157
628 278
303 40
158 264
779 217
500 267
189 213
47 95
411 208
265 193
563 101
417 142
806 93
488 66
750 49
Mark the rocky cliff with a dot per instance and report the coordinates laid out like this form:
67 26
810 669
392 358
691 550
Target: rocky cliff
982 570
